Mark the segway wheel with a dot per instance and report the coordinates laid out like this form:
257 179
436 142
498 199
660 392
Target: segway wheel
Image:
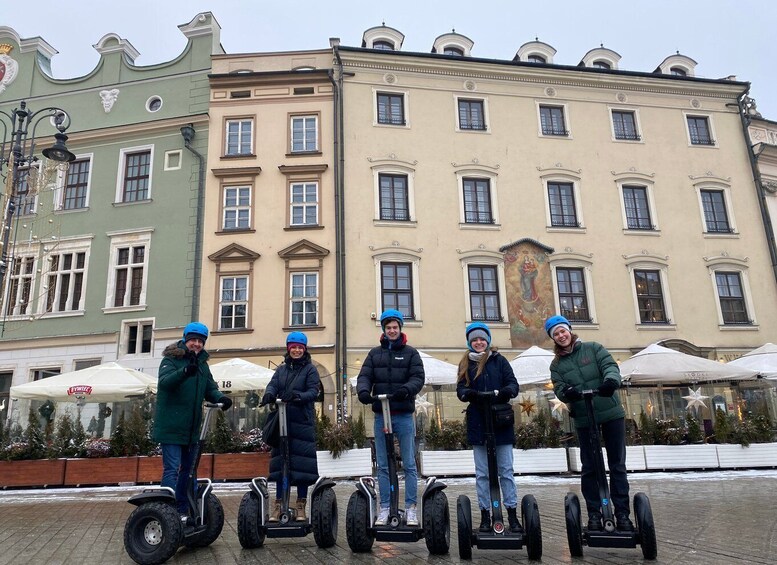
646 528
323 517
153 533
464 522
214 522
250 531
358 530
574 525
437 524
530 513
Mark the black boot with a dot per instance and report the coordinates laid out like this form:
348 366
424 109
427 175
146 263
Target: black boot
594 521
624 524
512 518
485 521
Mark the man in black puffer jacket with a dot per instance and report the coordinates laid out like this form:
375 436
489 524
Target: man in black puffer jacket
396 369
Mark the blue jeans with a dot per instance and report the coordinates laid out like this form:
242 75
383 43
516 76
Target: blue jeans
504 465
177 461
404 430
614 435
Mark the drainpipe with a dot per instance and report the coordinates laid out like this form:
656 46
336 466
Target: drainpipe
187 132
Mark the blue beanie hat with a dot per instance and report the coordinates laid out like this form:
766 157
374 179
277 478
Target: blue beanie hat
195 330
477 329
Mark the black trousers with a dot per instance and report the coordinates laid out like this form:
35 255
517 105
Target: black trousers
614 435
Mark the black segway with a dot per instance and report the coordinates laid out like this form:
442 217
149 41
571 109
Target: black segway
360 527
644 533
154 531
253 524
498 537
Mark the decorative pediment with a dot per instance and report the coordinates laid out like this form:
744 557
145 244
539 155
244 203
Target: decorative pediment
302 169
234 253
303 249
237 172
542 246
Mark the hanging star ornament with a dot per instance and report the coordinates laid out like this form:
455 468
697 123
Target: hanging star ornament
695 399
526 405
422 405
557 406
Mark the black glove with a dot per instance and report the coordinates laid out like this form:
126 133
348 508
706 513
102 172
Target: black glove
226 402
296 399
504 394
287 396
400 394
365 397
608 387
470 395
572 393
190 369
268 398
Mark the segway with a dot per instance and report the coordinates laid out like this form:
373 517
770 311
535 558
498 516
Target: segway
154 531
360 527
644 533
498 537
253 523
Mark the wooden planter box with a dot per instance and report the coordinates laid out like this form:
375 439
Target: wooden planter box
33 473
233 466
733 456
660 457
101 471
352 463
635 458
543 460
447 463
150 468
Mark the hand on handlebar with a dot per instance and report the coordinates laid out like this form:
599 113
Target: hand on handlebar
572 394
607 388
268 398
365 397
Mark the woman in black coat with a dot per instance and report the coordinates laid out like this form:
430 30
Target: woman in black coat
296 382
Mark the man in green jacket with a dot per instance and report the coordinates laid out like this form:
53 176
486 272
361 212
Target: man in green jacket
580 366
184 382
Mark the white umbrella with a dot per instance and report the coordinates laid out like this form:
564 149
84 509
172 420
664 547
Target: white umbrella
237 374
436 372
109 382
660 365
763 360
533 366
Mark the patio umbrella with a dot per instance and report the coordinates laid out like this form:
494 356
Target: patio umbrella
235 375
109 382
532 367
436 372
763 360
660 365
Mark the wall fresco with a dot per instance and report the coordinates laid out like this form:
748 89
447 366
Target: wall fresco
529 294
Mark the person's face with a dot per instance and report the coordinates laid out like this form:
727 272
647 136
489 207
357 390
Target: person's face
392 329
195 344
479 344
296 351
562 336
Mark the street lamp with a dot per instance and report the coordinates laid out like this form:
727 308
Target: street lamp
18 152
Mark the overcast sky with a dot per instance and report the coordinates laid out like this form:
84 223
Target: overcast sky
725 37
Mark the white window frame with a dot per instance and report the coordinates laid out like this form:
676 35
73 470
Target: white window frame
316 300
222 302
648 185
394 169
304 204
237 208
119 196
651 263
576 190
731 264
405 107
485 260
637 124
486 113
710 125
479 173
65 246
573 260
727 199
240 121
20 252
567 118
304 118
415 263
124 352
120 239
22 210
61 182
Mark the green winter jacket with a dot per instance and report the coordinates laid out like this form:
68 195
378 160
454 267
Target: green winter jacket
179 398
586 368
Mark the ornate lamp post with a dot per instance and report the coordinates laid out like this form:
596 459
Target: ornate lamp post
18 152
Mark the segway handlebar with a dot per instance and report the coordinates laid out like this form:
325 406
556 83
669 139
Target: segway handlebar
487 393
212 405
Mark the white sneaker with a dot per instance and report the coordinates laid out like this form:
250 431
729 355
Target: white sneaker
411 518
382 517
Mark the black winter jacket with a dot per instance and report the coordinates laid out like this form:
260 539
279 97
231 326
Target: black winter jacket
389 367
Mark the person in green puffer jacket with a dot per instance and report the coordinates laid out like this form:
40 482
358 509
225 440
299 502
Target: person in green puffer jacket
580 366
184 382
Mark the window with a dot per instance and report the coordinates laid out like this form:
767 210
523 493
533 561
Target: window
471 115
732 298
678 72
397 288
393 197
477 201
391 109
536 59
383 45
40 374
154 104
304 204
239 137
572 297
237 208
715 216
136 177
561 199
601 65
65 282
552 121
635 202
24 200
484 293
699 130
137 337
624 125
650 297
21 277
304 134
449 50
5 391
76 185
233 306
304 299
128 274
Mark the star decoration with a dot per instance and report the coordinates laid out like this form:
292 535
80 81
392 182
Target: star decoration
422 405
526 405
695 398
557 406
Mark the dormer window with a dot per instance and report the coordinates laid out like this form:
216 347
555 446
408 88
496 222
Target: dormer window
453 51
383 45
678 72
536 59
601 65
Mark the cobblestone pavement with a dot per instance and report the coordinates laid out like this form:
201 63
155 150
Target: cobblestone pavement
714 517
